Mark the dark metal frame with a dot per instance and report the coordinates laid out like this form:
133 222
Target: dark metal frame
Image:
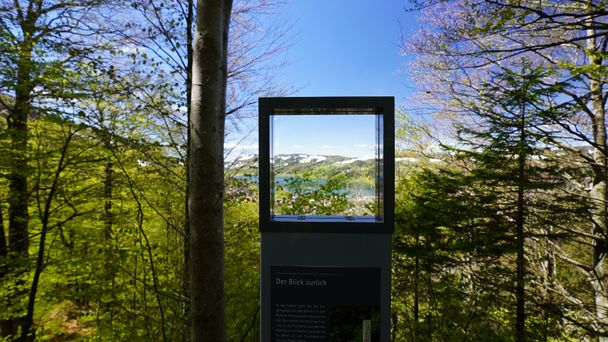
384 106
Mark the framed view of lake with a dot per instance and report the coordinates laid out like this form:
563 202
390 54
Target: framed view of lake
324 159
326 166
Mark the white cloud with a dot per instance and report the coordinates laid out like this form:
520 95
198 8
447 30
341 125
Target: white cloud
297 146
360 145
326 147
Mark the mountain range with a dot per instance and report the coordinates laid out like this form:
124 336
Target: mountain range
292 164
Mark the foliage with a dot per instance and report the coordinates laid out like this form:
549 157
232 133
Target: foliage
242 270
460 50
471 227
93 118
447 266
304 195
93 125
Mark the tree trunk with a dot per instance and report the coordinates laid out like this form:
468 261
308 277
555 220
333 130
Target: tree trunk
4 324
598 193
599 212
520 315
108 219
18 216
206 167
26 330
416 288
3 245
186 243
18 196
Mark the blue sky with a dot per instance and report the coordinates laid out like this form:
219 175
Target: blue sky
324 135
348 47
344 48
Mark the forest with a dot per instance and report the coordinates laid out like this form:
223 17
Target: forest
501 229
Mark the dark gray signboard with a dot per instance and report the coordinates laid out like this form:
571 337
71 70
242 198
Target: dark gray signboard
326 176
324 303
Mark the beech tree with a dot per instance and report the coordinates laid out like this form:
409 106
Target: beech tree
206 169
57 203
40 42
117 75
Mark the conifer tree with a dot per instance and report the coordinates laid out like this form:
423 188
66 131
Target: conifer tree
508 139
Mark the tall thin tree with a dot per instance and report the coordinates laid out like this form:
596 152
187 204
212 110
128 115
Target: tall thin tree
206 169
514 115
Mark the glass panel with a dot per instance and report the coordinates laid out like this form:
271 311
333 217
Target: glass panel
326 167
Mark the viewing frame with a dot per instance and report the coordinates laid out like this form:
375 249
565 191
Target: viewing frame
354 121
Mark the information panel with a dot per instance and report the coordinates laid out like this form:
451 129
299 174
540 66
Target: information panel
325 304
327 213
